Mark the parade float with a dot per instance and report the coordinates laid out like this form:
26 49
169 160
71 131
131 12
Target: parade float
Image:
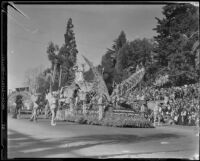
106 112
26 99
101 109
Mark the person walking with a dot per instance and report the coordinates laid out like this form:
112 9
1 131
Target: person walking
47 105
101 105
19 105
35 99
76 95
53 107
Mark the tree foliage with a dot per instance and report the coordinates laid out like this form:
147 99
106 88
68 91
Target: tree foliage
31 78
119 65
68 54
63 59
109 61
176 36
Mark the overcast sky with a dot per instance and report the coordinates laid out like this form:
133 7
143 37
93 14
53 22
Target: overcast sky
95 27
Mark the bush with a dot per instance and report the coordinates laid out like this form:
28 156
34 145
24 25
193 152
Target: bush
92 119
80 119
125 121
70 118
111 119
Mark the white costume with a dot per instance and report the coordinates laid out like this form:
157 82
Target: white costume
53 107
34 99
35 107
79 76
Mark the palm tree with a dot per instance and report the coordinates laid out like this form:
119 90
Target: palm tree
52 51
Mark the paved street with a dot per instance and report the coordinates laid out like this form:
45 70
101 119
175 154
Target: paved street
40 140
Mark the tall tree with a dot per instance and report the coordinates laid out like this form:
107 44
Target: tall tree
118 44
68 55
174 53
132 54
109 60
63 59
43 83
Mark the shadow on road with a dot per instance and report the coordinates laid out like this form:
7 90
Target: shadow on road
25 146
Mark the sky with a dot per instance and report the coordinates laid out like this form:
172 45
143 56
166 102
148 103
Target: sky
95 27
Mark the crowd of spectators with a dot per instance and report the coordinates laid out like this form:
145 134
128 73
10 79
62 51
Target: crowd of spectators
181 104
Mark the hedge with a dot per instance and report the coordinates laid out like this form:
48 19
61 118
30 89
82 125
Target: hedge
110 119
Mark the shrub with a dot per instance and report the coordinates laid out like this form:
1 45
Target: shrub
80 119
125 121
110 119
70 118
92 119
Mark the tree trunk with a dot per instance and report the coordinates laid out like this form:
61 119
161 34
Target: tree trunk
50 90
60 76
54 70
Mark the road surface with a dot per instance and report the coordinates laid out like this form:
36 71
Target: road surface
70 140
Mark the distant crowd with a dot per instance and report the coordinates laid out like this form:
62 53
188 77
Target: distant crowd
181 103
